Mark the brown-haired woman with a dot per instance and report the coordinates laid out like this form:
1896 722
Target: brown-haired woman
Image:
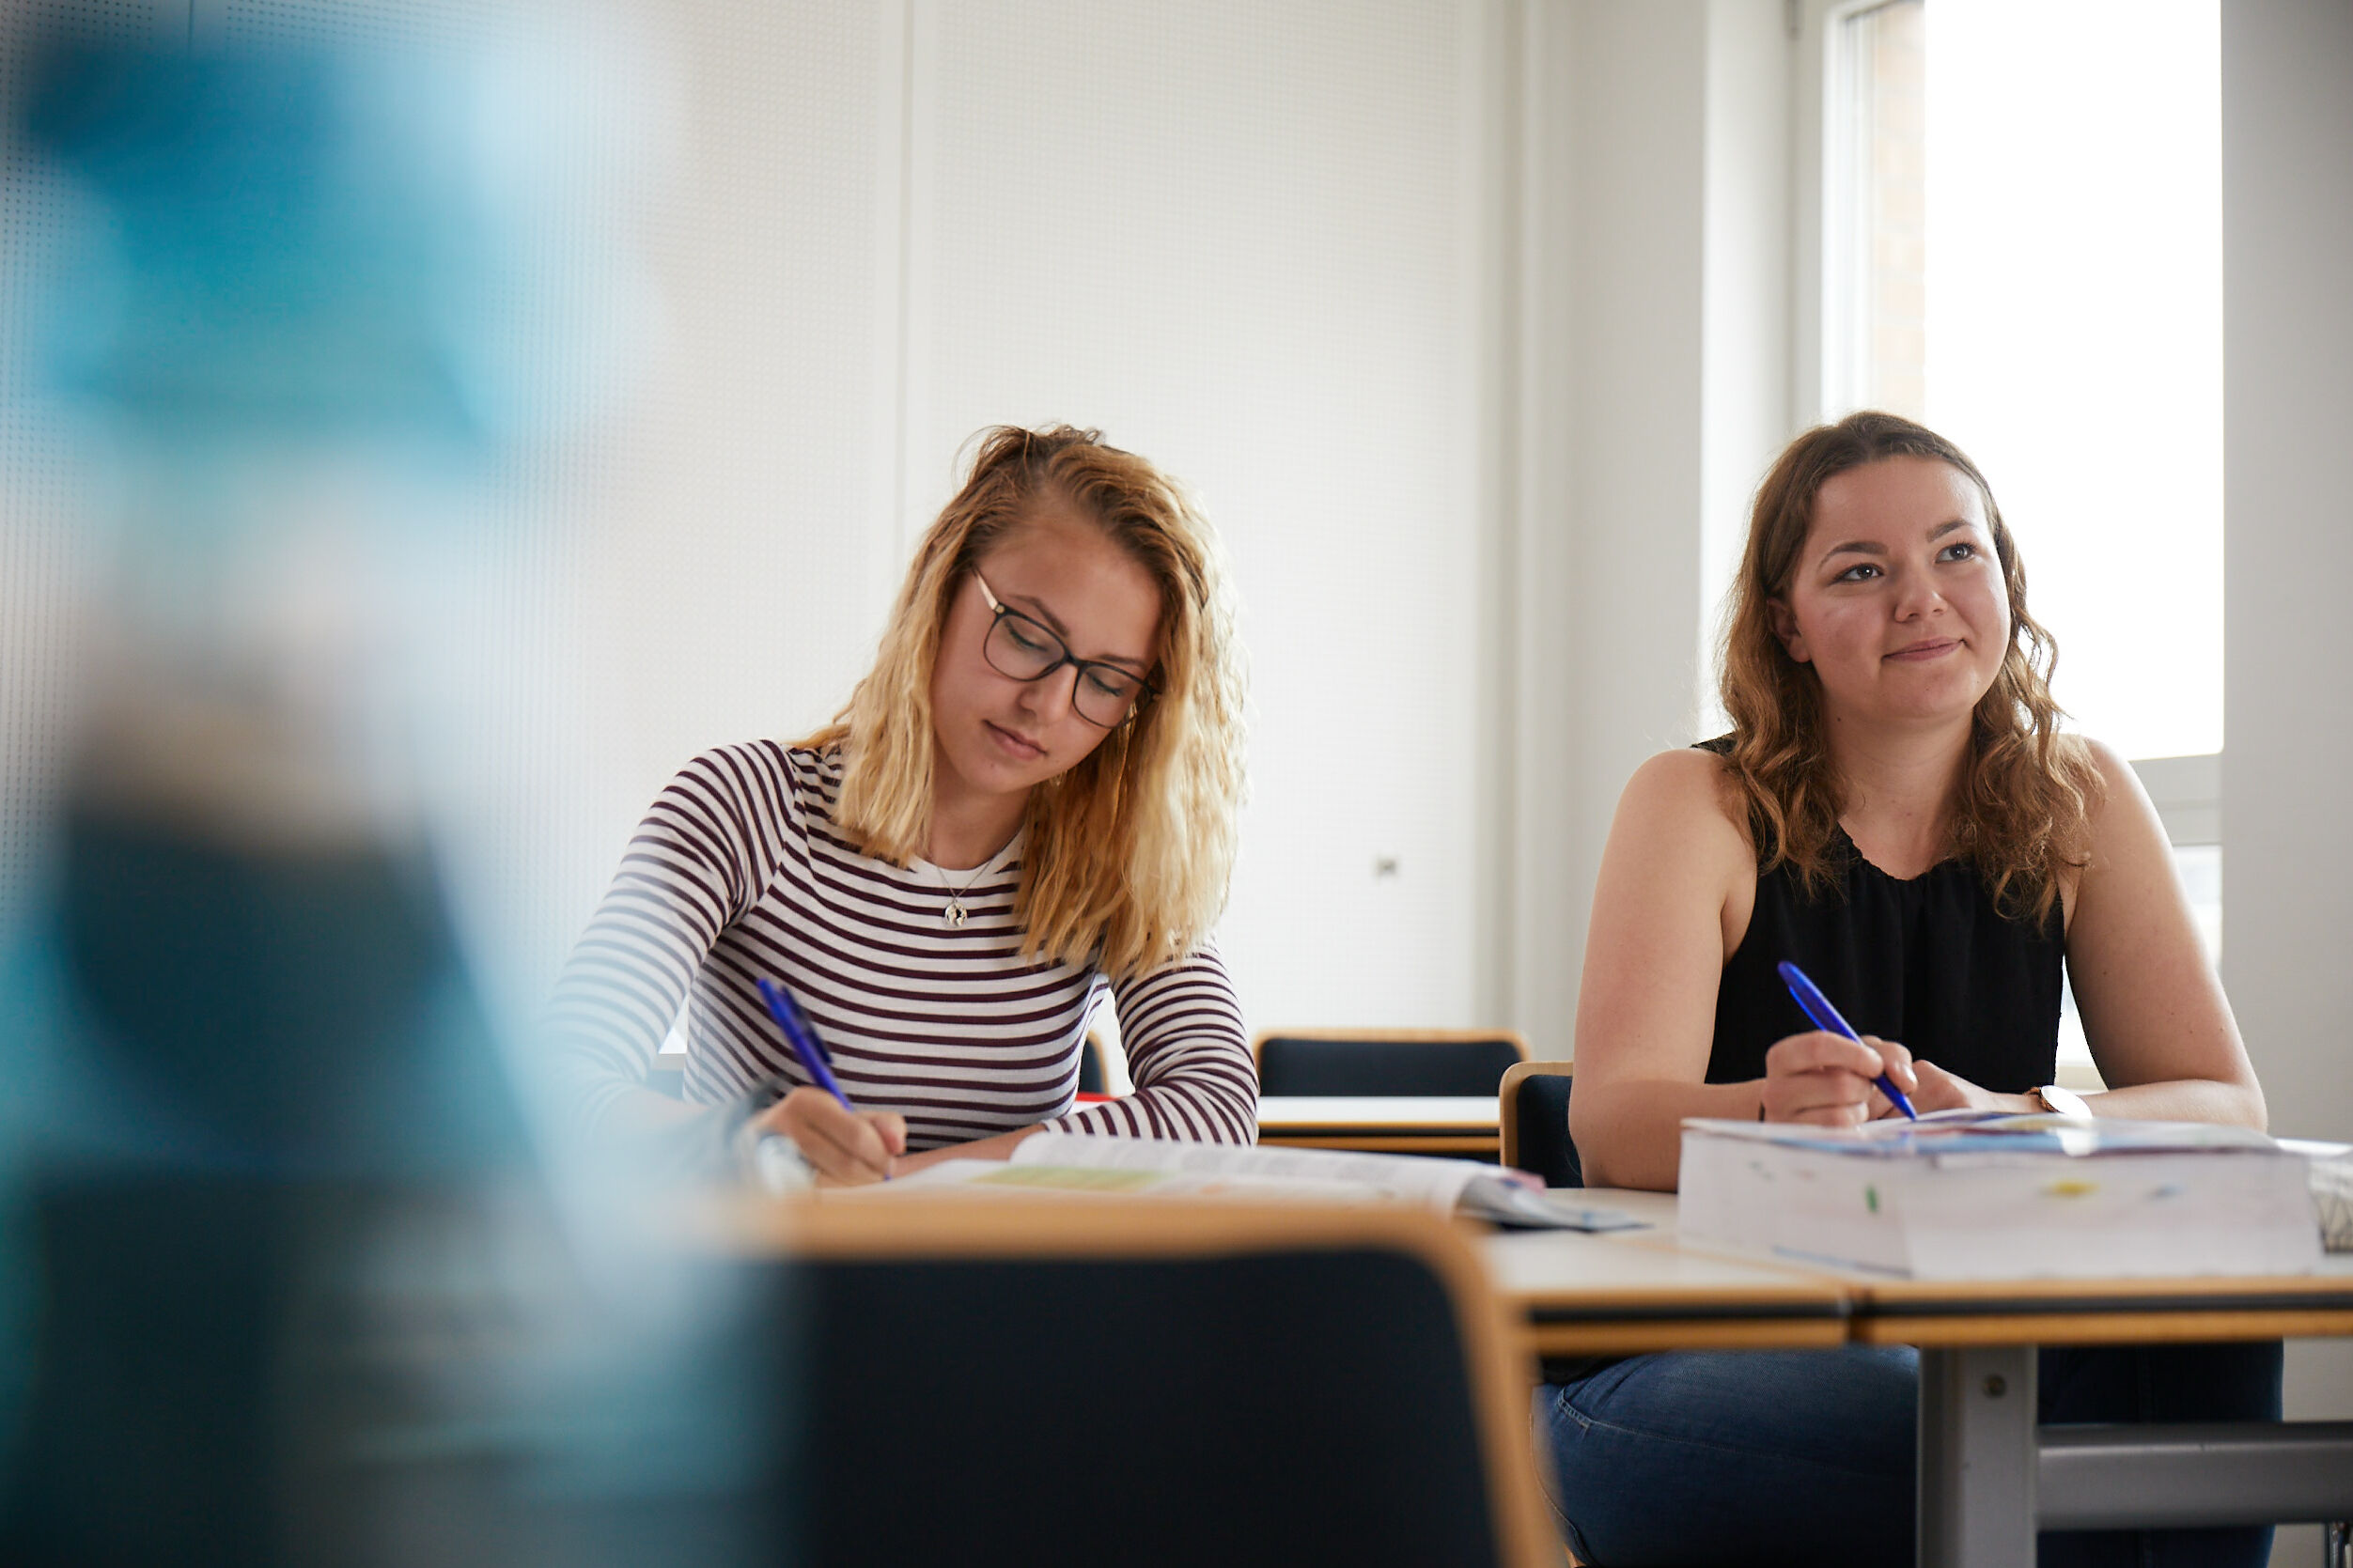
1897 812
1028 802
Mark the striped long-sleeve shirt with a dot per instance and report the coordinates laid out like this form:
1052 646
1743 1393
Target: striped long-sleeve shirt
739 871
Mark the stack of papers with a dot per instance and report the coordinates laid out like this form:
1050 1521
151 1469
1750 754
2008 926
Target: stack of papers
1975 1194
2332 1191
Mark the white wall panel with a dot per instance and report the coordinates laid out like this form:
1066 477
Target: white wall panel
694 544
2287 844
723 533
1242 237
1248 240
1616 412
712 541
740 565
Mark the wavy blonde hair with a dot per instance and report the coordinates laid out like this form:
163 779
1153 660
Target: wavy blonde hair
1130 852
2026 797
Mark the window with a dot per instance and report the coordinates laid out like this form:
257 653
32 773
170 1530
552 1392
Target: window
2021 246
1875 197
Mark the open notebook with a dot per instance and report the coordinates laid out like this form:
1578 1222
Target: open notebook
1074 1162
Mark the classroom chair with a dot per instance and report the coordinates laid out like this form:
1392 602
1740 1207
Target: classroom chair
1092 1077
1048 1380
1352 1062
1533 1114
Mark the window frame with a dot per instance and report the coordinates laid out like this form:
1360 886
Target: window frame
2187 790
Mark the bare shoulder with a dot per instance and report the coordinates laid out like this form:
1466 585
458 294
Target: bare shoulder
1690 781
2115 771
1688 798
2123 805
2127 835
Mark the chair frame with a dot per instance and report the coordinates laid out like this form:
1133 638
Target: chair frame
1033 1228
1507 1095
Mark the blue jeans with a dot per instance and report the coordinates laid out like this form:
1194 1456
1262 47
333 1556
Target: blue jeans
1806 1456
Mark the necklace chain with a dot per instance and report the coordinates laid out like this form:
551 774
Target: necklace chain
955 913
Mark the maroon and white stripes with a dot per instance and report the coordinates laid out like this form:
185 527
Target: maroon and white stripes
738 872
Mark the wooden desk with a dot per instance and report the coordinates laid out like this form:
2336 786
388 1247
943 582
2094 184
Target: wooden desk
1955 1312
1459 1125
1990 1477
1627 1291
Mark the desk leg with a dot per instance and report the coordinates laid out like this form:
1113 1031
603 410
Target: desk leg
1977 1457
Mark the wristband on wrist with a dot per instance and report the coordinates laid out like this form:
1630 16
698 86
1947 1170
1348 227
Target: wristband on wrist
2062 1102
778 1164
739 1137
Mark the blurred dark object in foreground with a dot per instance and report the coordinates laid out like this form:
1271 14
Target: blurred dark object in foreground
299 1289
311 1305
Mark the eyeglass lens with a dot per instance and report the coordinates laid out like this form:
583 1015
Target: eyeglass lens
1019 647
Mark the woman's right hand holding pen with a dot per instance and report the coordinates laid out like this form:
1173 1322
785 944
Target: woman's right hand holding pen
1826 1079
843 1147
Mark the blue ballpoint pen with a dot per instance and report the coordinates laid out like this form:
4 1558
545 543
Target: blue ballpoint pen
1818 1008
801 1034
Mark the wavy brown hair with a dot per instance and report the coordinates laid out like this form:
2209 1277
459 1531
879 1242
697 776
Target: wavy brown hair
2023 812
1129 854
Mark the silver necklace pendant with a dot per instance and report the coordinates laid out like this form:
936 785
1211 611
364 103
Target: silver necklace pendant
956 914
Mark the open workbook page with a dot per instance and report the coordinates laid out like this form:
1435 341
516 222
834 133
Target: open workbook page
1074 1162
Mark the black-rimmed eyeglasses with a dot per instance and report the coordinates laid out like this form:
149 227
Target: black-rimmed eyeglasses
1105 695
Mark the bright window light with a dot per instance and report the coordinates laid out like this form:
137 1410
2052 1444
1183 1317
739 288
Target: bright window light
2074 332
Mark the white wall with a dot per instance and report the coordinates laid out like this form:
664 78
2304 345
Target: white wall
1247 241
1257 241
1468 317
1746 415
1658 323
2288 837
2287 868
1254 241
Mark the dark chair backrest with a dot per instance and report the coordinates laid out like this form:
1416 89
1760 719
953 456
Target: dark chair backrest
1391 1062
1091 1075
1532 1112
1080 1382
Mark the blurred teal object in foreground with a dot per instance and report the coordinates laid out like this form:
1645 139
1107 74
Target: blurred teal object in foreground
285 1279
276 245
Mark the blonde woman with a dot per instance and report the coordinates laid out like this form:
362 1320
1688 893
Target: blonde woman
1028 802
1897 812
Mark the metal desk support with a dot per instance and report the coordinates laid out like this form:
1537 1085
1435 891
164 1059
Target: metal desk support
1989 1478
1977 1457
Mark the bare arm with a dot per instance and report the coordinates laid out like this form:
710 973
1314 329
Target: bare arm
2153 1008
1675 864
1677 890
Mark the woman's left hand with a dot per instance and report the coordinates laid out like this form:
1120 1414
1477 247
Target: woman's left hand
1942 1090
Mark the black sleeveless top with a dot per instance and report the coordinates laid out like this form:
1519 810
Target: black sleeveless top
1929 962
